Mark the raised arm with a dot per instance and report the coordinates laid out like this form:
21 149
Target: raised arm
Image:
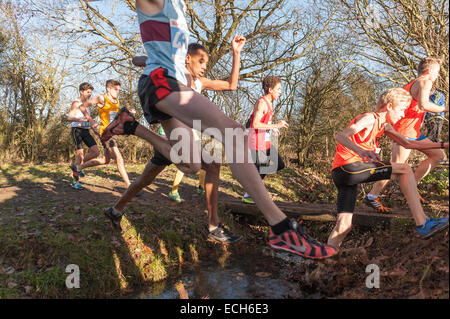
366 121
417 145
232 83
423 98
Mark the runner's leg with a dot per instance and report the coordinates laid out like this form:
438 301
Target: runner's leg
146 178
201 179
405 176
117 156
435 156
176 181
399 155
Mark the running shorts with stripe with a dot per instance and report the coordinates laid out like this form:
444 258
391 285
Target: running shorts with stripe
152 89
347 178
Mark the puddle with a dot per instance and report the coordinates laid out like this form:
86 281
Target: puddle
239 277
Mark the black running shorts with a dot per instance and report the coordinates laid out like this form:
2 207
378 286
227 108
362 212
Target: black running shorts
160 160
80 135
347 178
267 161
152 89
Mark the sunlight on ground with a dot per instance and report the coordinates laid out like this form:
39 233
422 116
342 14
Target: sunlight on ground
122 280
8 193
150 266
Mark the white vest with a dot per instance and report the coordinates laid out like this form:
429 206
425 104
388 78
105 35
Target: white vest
80 115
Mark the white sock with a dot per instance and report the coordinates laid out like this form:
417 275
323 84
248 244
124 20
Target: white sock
371 197
246 195
213 228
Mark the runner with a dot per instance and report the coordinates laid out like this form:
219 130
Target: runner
196 62
107 106
80 133
357 161
264 153
409 126
165 97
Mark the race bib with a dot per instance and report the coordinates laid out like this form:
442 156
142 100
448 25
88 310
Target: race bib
85 124
112 116
268 133
180 39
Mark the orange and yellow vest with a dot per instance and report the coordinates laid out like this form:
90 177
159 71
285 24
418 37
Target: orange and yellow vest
410 125
346 156
107 113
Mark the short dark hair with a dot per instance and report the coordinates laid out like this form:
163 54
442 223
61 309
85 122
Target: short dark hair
426 63
85 86
194 47
111 83
269 82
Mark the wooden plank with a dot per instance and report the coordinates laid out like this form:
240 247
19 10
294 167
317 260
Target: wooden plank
319 212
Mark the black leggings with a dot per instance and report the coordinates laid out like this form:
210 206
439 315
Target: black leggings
347 178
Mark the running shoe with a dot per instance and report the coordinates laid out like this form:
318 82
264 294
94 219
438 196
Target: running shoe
376 204
123 123
248 200
432 226
223 235
201 191
176 197
297 241
77 185
115 220
140 193
75 172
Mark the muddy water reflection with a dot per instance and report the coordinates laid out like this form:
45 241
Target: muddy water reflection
240 277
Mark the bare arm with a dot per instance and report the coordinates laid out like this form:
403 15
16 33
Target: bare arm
403 141
258 113
364 122
423 98
96 100
230 85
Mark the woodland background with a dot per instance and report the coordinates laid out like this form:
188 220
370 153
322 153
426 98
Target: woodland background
334 56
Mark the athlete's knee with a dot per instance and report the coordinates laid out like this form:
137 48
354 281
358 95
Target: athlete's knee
193 168
94 151
438 157
104 160
189 168
402 169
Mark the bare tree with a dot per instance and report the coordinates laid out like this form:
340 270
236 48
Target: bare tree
393 35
